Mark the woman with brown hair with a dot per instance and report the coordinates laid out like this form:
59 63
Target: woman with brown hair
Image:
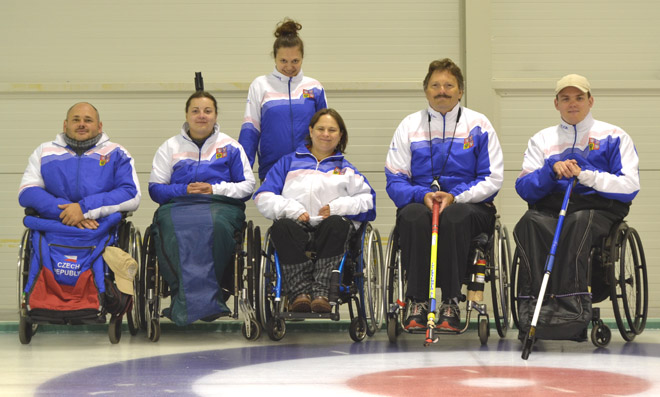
280 104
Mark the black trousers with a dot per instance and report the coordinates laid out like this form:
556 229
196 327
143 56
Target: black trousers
459 224
308 254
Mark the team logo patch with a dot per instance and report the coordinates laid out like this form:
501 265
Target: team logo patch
337 171
104 160
308 94
468 142
220 152
594 144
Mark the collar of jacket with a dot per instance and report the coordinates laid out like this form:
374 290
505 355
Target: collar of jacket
285 79
581 127
304 151
186 127
449 118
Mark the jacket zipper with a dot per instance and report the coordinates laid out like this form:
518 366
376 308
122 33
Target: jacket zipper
293 133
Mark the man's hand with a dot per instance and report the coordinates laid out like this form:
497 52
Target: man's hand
71 214
304 217
566 169
445 199
88 224
200 188
324 212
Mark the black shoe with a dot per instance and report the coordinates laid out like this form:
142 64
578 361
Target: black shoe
417 316
449 317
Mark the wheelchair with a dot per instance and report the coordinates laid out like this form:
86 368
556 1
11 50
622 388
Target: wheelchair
153 288
125 236
621 256
494 249
357 282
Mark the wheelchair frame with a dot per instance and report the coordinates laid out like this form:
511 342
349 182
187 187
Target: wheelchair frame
495 249
622 257
127 237
363 287
246 259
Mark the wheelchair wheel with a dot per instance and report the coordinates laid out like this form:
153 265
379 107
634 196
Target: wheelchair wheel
265 293
513 283
500 253
255 330
153 330
276 328
131 242
372 255
253 249
358 329
393 289
25 328
601 335
483 331
114 329
149 298
147 255
629 282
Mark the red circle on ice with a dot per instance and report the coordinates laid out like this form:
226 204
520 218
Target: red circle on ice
498 381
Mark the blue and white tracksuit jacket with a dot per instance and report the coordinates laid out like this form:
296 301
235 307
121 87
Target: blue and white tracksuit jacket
466 156
220 162
277 116
102 180
605 153
298 183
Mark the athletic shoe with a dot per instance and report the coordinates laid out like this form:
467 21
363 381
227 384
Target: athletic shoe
302 304
320 304
449 318
417 316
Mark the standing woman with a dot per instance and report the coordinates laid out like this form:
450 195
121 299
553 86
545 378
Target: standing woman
281 104
316 199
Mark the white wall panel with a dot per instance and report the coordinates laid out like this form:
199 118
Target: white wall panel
164 41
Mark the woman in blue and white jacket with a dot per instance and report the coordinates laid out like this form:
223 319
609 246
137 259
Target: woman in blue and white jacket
201 179
280 104
316 198
200 159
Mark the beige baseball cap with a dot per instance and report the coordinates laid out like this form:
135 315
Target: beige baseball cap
573 80
123 266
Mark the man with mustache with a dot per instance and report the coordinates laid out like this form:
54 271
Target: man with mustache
80 176
459 148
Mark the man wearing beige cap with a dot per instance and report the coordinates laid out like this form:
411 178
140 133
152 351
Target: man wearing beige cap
602 160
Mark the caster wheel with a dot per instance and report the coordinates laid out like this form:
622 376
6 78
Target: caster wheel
114 329
276 328
392 331
154 330
483 331
358 329
601 335
255 330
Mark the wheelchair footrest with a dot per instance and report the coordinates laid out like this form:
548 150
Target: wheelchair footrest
302 316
